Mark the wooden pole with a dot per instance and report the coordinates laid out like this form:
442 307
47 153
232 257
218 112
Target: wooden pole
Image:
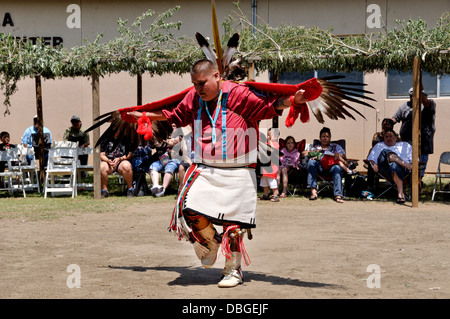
40 120
96 133
275 79
415 132
139 89
251 71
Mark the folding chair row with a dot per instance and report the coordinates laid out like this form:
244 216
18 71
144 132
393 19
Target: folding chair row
26 163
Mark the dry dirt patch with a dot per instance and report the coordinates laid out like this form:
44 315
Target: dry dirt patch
301 249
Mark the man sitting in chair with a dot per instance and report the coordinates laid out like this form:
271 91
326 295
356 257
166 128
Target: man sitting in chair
30 139
75 133
392 159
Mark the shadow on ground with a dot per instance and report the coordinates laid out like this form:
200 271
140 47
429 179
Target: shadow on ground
189 276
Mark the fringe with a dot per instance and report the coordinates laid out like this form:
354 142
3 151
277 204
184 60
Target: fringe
178 223
232 231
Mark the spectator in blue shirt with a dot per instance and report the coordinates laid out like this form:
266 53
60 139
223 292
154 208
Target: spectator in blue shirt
27 139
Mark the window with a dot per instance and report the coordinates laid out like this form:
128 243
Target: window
294 77
444 85
297 77
355 76
399 83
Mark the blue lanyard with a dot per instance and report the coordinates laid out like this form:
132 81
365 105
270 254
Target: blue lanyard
222 103
213 121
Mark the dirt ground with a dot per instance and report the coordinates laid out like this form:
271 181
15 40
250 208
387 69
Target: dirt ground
300 250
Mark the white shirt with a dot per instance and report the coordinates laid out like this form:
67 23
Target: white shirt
402 149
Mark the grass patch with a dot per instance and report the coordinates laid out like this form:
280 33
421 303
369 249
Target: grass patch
36 207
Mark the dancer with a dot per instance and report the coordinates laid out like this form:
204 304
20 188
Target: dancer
221 183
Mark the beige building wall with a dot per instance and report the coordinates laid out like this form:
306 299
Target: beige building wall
64 97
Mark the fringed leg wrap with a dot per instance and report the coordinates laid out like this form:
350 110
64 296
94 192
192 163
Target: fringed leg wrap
232 241
233 249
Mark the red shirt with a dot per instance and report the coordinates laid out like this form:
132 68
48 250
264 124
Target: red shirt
238 121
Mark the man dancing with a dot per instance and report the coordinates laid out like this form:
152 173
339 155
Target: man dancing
220 187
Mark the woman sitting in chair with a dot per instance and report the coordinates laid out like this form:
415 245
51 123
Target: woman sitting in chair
314 166
115 158
392 159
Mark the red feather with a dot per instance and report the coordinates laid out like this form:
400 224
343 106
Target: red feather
153 106
312 88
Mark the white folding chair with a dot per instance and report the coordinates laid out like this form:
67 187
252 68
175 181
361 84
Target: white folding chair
444 159
30 171
62 161
65 144
12 179
84 168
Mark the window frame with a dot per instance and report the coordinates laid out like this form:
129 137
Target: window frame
437 87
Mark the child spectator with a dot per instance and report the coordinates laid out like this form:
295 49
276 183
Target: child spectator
4 137
289 161
166 162
269 179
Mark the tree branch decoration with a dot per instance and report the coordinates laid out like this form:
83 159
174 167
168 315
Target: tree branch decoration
150 45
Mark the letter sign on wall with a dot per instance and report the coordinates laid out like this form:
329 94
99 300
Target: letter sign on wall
7 20
374 19
74 19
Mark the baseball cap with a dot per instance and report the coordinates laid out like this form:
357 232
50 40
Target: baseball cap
75 118
411 92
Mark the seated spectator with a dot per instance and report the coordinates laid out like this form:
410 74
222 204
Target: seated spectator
140 156
334 169
167 162
115 157
4 138
29 139
288 161
386 124
392 158
187 155
269 179
75 134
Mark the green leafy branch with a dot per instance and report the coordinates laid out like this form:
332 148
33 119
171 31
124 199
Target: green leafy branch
150 44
